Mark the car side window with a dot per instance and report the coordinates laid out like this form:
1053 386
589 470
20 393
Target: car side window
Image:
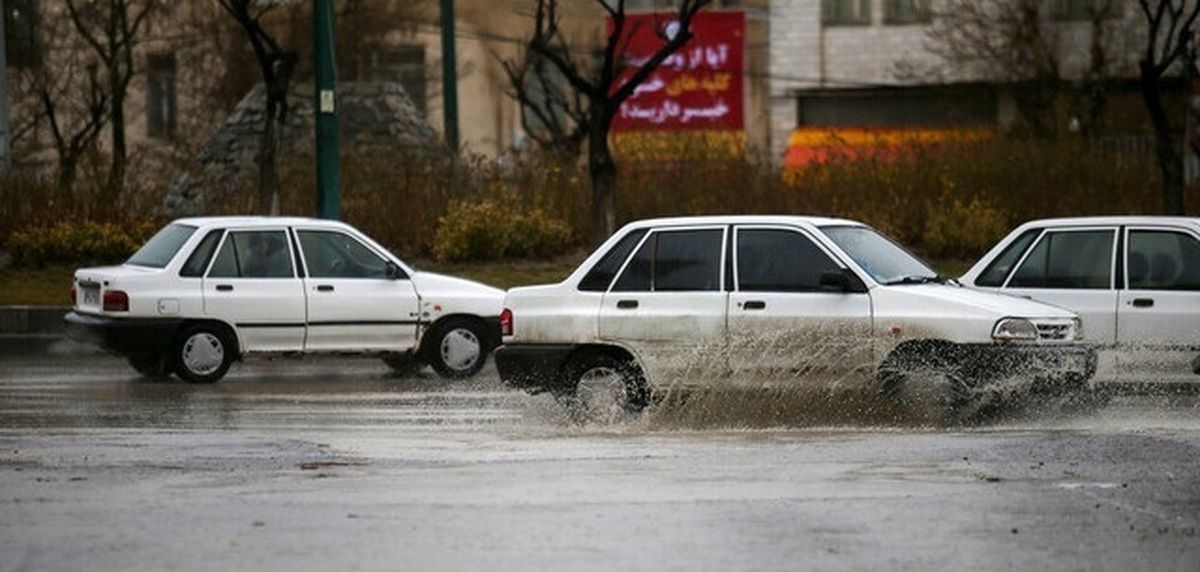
601 275
674 261
1163 260
199 259
1068 259
996 272
254 254
331 254
777 260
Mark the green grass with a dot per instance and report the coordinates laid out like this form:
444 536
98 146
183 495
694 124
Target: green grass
51 286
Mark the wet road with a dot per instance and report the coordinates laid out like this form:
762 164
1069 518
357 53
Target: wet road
337 465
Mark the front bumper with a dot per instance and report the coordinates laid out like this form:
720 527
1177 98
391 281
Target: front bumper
1051 366
125 336
533 367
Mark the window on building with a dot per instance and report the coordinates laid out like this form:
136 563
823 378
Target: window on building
22 26
845 12
906 11
161 102
404 64
1083 10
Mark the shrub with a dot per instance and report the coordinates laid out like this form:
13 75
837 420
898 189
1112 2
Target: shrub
491 229
82 243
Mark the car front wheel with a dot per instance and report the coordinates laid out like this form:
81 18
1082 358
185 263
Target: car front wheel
202 354
457 348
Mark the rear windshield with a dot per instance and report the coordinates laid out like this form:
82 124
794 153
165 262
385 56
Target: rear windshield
162 247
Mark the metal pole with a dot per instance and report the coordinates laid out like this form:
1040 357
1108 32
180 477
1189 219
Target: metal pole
449 78
326 118
5 155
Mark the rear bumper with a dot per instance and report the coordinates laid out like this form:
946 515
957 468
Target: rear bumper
125 336
533 367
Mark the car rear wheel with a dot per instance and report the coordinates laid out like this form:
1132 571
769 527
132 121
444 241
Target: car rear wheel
457 348
202 354
605 389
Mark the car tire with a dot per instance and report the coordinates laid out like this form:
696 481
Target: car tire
925 386
456 348
202 354
603 388
151 366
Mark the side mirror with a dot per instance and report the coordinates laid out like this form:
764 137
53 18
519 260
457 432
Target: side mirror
394 272
841 281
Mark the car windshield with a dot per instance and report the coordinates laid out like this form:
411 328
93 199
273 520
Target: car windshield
886 261
162 247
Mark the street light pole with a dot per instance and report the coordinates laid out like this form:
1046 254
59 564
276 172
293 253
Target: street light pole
5 145
449 77
325 117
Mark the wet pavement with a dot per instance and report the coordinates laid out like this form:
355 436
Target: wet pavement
336 464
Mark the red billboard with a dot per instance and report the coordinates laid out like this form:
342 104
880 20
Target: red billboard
699 87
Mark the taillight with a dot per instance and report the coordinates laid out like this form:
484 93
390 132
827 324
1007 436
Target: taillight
506 322
116 301
74 295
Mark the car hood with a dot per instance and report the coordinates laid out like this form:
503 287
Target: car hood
434 282
948 298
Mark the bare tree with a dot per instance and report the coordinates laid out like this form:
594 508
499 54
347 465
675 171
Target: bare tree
598 90
1169 45
1015 42
111 29
277 65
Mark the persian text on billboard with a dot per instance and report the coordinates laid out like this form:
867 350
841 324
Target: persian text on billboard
698 87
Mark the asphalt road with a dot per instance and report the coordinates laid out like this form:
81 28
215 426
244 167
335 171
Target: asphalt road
335 464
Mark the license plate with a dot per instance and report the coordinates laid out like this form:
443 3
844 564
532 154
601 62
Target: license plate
91 296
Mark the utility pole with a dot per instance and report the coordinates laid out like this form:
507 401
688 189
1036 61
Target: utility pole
449 77
326 118
5 145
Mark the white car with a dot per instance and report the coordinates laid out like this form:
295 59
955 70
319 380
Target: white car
1134 280
204 292
791 299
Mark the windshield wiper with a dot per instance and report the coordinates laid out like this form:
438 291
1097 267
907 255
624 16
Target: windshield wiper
915 279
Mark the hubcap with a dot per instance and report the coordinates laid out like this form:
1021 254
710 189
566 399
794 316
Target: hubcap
203 353
460 349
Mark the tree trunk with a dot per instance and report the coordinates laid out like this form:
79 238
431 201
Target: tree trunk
268 169
603 172
1170 161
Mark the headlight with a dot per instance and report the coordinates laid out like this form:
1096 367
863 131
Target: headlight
1014 329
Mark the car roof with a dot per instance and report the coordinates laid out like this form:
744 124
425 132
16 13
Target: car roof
742 219
253 220
1110 220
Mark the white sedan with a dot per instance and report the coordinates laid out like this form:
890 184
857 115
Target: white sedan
1134 280
204 292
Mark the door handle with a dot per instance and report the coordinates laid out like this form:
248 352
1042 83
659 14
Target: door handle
754 305
224 288
627 304
1143 302
324 288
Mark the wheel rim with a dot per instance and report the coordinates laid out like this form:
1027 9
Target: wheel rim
601 394
203 353
460 349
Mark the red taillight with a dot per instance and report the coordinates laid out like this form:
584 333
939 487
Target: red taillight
74 295
116 301
506 322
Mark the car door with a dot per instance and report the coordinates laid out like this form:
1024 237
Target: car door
668 304
1074 268
356 299
782 325
252 284
1158 313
